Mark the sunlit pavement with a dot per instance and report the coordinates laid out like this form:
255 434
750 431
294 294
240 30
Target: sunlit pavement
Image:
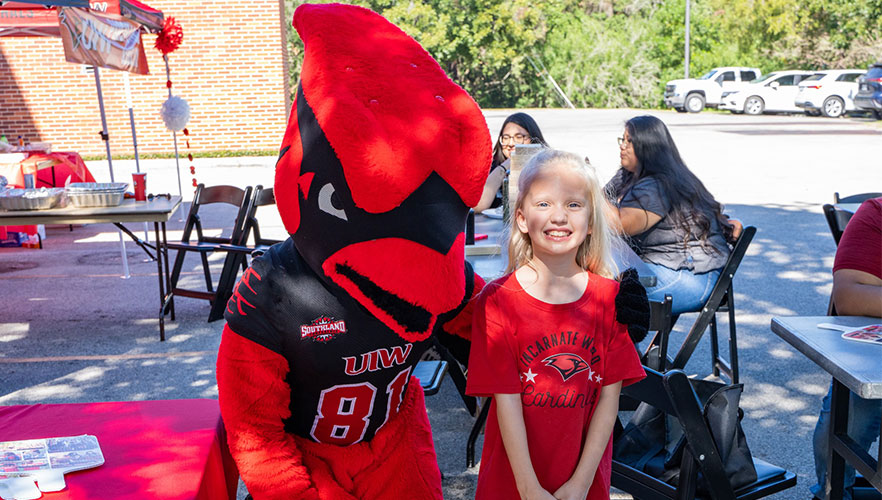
72 330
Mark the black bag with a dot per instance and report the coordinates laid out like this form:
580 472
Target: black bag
653 442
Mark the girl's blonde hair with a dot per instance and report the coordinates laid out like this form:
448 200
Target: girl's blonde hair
594 254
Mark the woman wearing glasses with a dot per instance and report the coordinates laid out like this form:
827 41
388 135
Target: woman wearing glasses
519 128
675 224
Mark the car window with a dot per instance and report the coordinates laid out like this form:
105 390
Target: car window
748 76
708 75
728 76
798 78
816 76
874 72
848 77
786 80
764 78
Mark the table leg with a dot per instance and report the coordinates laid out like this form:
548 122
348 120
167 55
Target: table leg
168 285
838 426
159 258
146 246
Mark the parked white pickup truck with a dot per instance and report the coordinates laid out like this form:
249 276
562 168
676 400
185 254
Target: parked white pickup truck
693 94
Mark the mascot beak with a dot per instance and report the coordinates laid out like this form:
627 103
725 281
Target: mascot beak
369 270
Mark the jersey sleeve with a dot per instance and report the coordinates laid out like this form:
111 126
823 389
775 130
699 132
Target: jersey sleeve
247 310
493 361
622 361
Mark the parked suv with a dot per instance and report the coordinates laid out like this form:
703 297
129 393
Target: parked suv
869 95
693 94
829 92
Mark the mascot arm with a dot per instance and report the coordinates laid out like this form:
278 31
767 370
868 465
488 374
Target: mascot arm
456 334
254 399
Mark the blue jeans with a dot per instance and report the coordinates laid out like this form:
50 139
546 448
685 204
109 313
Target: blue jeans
688 290
864 416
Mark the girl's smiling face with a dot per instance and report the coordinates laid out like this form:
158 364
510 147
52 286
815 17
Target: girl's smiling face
556 213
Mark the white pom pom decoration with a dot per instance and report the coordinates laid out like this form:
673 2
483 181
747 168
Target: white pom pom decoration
175 113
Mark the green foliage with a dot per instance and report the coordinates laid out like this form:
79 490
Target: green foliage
616 53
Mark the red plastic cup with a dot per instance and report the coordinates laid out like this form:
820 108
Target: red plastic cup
140 181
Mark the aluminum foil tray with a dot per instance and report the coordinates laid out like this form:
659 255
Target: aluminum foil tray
96 187
30 199
96 194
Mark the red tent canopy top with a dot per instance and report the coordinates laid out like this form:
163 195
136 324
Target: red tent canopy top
24 18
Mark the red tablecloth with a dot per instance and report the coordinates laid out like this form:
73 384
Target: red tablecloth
175 449
53 169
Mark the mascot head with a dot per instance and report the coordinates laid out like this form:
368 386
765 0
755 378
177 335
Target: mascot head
381 159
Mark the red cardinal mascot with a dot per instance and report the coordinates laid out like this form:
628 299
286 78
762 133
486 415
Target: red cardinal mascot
381 159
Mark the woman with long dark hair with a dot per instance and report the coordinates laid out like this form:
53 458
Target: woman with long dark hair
674 223
518 128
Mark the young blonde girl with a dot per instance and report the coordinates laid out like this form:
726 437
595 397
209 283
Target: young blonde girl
546 344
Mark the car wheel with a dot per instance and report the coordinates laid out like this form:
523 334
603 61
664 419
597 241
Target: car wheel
680 110
754 105
834 107
694 103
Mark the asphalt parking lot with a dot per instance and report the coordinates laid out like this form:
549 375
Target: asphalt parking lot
71 330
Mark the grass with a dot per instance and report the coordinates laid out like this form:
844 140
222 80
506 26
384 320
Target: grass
201 154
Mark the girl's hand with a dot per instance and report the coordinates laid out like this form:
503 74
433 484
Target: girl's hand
538 493
573 489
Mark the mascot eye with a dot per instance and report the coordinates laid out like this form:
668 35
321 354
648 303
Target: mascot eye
327 200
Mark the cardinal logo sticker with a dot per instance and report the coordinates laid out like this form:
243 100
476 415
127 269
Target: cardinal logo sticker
567 364
322 329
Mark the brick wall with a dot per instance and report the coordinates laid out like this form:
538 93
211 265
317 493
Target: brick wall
230 69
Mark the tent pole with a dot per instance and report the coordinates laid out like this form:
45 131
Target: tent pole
106 138
174 134
134 136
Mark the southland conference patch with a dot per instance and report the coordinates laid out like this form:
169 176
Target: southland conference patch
322 329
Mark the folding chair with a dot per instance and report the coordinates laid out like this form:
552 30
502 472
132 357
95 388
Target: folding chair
659 322
855 198
239 252
203 245
837 220
722 299
673 394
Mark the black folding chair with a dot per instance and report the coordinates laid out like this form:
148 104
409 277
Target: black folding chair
239 252
722 299
854 198
204 244
836 220
673 394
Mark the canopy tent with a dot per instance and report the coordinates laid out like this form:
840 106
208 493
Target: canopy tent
34 18
41 18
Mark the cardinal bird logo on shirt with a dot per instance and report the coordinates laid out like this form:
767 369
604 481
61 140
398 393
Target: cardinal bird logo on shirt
567 364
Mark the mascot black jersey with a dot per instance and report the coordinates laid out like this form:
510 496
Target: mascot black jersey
346 365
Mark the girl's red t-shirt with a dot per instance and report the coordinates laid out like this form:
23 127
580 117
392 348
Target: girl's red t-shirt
557 357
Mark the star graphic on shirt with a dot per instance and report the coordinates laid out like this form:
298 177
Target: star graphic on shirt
531 377
590 373
597 377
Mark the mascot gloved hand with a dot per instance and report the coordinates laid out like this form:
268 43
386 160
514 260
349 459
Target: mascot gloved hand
381 159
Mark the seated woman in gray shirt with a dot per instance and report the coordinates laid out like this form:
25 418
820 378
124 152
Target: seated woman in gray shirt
675 224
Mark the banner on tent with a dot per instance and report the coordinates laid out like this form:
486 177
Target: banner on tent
104 40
